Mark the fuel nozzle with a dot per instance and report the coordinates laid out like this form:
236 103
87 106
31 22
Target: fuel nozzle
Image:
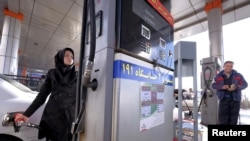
87 73
9 120
17 126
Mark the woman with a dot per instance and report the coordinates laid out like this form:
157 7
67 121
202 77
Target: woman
58 114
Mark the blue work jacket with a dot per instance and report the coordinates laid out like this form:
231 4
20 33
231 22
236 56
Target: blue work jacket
238 80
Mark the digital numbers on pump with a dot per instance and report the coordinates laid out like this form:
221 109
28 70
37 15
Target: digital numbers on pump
132 70
137 72
127 68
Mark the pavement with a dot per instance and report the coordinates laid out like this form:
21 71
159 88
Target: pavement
244 119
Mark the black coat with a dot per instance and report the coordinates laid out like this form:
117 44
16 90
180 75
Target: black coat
59 111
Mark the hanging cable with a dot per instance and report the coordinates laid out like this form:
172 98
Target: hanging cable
207 75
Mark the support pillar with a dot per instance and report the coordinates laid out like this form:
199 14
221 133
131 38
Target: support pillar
10 42
214 18
212 64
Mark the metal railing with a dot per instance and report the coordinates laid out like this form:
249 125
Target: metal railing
29 81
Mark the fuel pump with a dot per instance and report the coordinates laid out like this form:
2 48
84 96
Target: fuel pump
127 83
209 101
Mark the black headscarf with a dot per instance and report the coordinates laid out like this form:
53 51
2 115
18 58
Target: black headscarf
64 73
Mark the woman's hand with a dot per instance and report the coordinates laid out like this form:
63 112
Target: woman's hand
20 118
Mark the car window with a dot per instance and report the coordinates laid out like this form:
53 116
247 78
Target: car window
16 84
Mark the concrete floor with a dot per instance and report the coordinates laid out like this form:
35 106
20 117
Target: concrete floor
244 119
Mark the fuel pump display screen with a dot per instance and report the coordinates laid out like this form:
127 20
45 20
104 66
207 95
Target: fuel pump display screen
145 32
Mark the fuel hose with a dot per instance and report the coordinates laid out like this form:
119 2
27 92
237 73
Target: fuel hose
81 90
207 75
